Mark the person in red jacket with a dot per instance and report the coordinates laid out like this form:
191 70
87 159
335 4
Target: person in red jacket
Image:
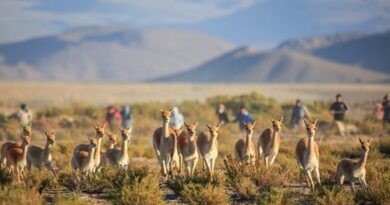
113 118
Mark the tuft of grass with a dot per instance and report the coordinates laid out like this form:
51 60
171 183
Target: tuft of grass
248 181
136 185
331 194
16 194
275 197
199 189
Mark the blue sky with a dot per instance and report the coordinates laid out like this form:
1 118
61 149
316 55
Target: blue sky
262 23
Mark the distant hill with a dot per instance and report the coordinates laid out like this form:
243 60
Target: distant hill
282 65
370 51
107 54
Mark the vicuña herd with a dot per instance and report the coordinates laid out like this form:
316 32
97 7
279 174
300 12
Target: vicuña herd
177 149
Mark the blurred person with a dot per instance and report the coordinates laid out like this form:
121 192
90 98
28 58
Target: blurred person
338 109
386 110
24 115
177 119
299 113
112 118
379 111
242 118
127 116
222 115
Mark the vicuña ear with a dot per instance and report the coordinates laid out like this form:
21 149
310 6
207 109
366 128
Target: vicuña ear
185 123
129 129
196 123
170 109
360 140
272 119
208 125
305 122
161 110
281 119
369 141
94 126
47 134
315 121
219 125
243 122
254 122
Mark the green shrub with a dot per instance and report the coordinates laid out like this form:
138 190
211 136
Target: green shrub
248 181
331 194
254 102
204 195
137 185
5 178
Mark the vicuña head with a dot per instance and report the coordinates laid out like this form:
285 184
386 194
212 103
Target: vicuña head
191 128
214 129
112 138
26 130
166 114
311 128
92 142
99 131
277 124
249 127
51 137
126 133
365 144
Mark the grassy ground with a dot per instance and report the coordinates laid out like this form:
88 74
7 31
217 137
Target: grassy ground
141 184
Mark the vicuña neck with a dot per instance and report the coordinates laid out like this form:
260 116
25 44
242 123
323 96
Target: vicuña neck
97 149
311 145
165 129
213 144
248 139
47 148
363 159
91 154
24 147
124 148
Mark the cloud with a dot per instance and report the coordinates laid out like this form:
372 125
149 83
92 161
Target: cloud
349 12
20 19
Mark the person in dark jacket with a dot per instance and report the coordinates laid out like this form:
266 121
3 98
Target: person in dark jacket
338 109
222 115
299 113
386 110
243 117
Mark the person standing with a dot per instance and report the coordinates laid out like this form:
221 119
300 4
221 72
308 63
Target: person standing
242 118
299 113
222 115
127 116
386 111
112 117
338 109
177 119
24 115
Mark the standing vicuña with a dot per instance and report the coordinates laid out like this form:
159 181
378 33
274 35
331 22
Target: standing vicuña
269 142
245 149
26 131
188 147
352 170
17 157
307 155
39 156
164 143
84 160
85 147
208 147
117 156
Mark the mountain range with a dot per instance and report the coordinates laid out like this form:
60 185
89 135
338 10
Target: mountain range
121 54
